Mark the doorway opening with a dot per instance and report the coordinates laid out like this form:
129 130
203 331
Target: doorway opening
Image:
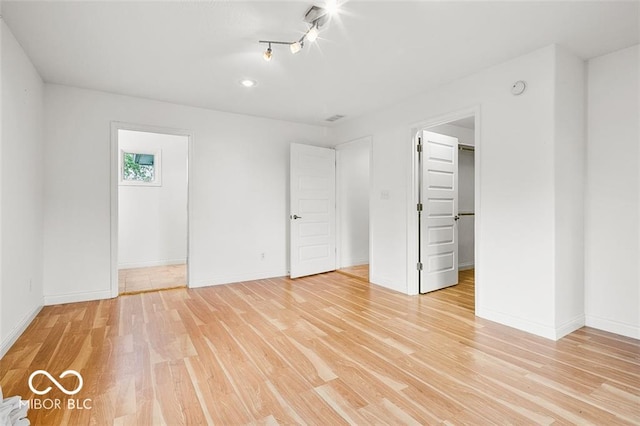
329 209
149 209
445 186
353 165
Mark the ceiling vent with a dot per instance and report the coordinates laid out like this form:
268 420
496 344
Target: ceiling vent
334 117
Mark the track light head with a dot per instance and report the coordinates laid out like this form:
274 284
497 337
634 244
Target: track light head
312 34
297 46
268 53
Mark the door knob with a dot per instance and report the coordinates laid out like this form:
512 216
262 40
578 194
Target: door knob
295 216
456 217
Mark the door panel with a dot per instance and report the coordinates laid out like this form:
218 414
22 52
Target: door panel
439 227
313 215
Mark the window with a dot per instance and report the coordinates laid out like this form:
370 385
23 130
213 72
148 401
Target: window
140 168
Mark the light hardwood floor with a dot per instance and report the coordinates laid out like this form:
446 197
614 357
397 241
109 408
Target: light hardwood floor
325 350
136 280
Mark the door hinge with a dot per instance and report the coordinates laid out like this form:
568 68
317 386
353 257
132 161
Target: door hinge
419 207
419 266
419 147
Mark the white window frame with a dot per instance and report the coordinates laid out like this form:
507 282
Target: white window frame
157 165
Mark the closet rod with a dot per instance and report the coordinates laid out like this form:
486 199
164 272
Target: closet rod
466 214
463 147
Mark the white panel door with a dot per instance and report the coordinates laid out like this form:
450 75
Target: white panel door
439 228
313 212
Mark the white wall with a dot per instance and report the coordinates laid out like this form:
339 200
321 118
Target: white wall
152 220
21 191
466 192
515 212
569 163
612 231
353 202
238 187
3 346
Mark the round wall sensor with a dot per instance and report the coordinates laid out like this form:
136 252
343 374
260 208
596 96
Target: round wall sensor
518 87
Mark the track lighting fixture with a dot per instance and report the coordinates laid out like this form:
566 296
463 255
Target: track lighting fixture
316 17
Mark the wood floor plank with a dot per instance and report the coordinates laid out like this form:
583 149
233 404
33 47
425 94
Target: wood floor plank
327 349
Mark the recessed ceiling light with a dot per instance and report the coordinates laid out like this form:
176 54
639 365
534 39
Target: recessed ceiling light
248 82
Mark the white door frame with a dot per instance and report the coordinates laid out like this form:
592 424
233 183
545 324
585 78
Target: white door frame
339 206
115 174
412 196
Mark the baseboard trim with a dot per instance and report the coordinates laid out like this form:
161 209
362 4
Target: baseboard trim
570 326
548 332
465 266
354 262
17 331
237 278
616 327
151 263
389 283
76 297
518 323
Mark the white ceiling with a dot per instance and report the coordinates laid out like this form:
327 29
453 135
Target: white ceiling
374 54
